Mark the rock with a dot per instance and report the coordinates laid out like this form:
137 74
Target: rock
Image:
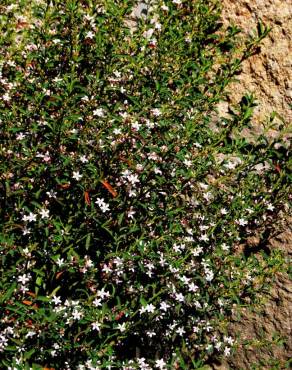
269 73
269 76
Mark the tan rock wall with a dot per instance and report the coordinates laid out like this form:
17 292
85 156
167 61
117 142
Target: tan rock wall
268 74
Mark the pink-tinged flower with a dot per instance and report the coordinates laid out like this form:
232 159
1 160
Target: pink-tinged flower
97 302
23 279
6 97
227 351
20 136
156 112
179 297
193 288
96 325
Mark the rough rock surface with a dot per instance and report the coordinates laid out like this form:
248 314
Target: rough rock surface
268 74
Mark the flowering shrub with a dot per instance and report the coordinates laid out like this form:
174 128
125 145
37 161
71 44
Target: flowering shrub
125 197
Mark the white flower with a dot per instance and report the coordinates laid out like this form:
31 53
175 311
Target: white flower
160 364
197 251
148 34
148 308
157 26
99 112
6 97
209 275
77 315
228 340
153 156
106 269
133 179
89 35
164 306
51 194
176 248
103 294
188 39
227 351
187 163
97 302
44 213
85 98
156 112
88 262
96 326
223 211
25 231
225 247
117 131
136 126
241 222
193 287
196 329
179 297
83 159
23 279
218 345
31 217
60 261
76 175
131 213
102 205
185 280
270 207
30 334
204 237
99 201
180 331
20 136
56 300
122 327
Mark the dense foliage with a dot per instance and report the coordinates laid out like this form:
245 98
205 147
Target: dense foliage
124 196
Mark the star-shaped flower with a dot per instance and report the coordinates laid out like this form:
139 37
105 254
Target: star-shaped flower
76 175
44 213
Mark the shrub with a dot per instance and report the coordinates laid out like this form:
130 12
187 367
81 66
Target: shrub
125 197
